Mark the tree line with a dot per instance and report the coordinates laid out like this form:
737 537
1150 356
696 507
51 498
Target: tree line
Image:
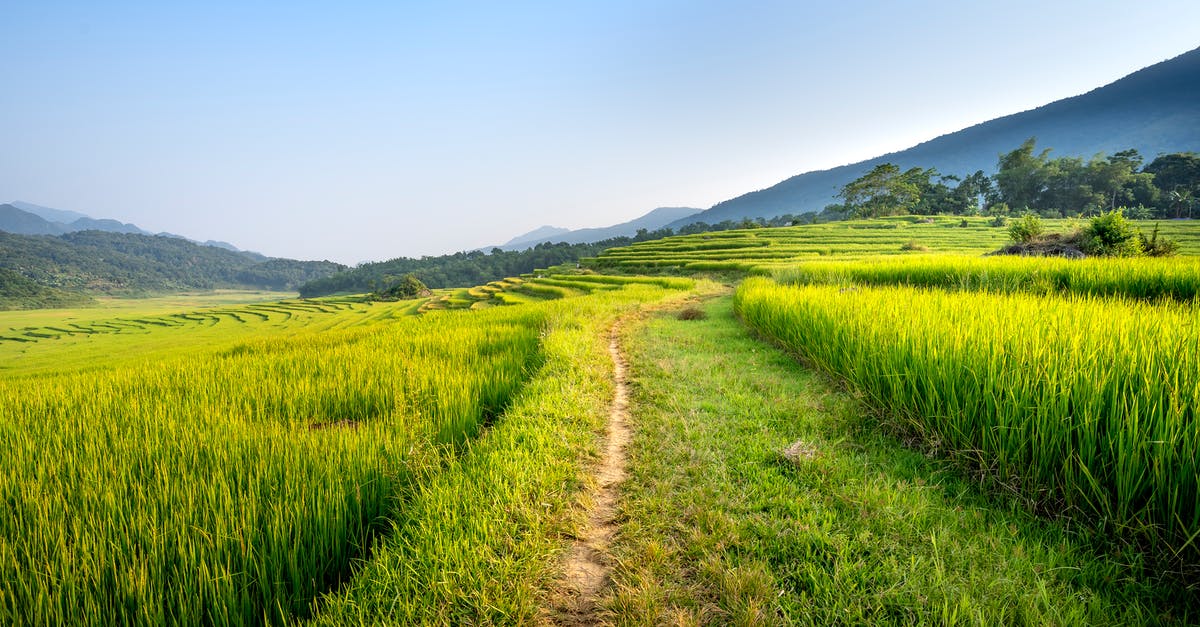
476 267
1031 181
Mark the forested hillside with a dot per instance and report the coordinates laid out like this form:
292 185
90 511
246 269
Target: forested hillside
1152 111
94 262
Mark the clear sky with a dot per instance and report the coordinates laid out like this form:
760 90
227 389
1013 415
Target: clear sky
361 131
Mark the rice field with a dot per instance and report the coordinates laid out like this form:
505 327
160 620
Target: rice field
233 464
1146 279
1071 382
760 251
1085 405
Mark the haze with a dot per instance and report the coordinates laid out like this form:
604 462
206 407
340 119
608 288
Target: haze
370 131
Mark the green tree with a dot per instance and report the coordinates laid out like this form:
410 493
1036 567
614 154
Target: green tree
1021 176
884 191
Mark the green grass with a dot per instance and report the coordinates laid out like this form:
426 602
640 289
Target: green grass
252 460
1086 406
718 527
762 250
1149 279
479 544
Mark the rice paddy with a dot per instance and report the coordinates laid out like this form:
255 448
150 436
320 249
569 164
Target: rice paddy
250 459
242 461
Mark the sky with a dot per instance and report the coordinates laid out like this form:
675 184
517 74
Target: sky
359 131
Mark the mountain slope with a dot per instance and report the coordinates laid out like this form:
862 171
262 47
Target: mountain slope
89 262
14 220
655 219
1153 110
48 214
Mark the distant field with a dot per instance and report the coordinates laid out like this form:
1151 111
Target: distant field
1015 440
762 250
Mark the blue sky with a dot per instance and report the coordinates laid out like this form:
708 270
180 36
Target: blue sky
360 131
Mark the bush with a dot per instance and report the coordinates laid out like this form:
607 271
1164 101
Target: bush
999 220
1155 246
401 288
1027 229
912 245
1110 234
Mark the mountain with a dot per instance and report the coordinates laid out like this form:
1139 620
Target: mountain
29 219
1154 110
656 219
48 214
540 234
94 262
105 224
14 220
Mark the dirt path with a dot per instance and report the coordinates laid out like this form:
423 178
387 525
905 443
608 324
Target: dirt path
587 567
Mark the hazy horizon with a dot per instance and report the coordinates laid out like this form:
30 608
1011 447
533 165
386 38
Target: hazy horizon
376 131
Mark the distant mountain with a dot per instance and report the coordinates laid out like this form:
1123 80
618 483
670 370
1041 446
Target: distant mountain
95 262
540 234
112 226
1155 110
48 214
652 221
14 220
47 221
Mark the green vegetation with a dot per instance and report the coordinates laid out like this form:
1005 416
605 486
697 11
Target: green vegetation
1168 187
19 292
759 494
761 251
1085 406
1145 279
1014 440
238 466
91 263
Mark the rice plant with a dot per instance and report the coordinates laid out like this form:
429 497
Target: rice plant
1085 405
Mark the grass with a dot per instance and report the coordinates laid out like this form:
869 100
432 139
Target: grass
479 544
759 251
1147 279
719 527
1085 406
238 486
262 462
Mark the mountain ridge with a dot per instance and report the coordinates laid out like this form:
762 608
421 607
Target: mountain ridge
1152 110
651 221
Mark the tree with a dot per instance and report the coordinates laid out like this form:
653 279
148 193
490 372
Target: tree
1021 176
884 191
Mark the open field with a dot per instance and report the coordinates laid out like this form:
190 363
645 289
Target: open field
238 477
761 494
962 439
762 250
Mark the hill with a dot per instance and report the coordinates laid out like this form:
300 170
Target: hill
654 220
97 262
1152 110
47 213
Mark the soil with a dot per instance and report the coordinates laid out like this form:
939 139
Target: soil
587 567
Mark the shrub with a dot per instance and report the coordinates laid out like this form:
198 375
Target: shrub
1026 229
1110 234
1155 246
912 245
999 220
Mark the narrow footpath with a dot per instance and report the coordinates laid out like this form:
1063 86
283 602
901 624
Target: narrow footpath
588 567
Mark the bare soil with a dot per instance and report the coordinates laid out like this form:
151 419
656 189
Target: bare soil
587 567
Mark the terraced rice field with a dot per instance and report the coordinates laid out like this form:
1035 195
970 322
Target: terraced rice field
764 250
232 464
